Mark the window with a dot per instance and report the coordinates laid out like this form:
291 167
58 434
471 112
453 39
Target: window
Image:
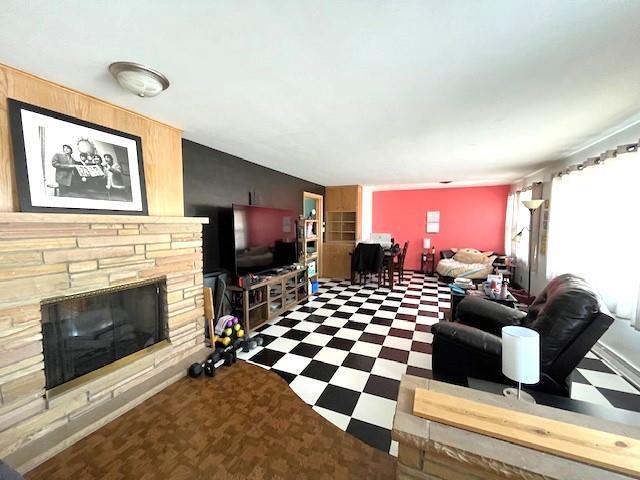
522 230
517 228
594 230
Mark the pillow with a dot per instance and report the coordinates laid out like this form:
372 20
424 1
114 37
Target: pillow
465 256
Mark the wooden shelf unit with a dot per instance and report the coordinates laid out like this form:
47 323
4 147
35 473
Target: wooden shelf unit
270 297
341 226
311 245
343 222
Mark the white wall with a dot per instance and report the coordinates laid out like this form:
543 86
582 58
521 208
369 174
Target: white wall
629 135
367 212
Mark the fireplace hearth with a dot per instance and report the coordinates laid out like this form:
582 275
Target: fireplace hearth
88 331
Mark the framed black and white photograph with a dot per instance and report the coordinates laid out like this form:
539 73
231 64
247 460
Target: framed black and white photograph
64 164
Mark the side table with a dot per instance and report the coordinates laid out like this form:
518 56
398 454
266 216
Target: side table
427 263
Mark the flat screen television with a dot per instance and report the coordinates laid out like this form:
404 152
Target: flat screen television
264 238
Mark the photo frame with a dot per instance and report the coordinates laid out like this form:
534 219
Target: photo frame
433 222
67 165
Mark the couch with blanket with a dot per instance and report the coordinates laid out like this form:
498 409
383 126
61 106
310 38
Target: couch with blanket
465 262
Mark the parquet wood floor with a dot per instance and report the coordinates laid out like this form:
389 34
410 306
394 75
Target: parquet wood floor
246 423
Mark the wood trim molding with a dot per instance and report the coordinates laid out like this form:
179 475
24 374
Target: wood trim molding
63 218
161 143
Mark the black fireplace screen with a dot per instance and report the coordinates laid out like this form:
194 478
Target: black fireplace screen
85 332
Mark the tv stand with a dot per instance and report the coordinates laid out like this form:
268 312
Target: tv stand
271 296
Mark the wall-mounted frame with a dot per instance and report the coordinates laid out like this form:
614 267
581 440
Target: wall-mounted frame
433 222
66 165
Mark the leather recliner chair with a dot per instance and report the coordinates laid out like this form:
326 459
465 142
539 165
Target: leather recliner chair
567 315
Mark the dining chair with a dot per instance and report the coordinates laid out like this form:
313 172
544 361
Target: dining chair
400 263
366 260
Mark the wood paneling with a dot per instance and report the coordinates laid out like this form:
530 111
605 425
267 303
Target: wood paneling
344 198
586 445
337 261
29 219
161 143
343 206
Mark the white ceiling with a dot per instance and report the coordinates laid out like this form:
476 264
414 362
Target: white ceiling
343 92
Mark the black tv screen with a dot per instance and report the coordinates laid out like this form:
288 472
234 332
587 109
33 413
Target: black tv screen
264 238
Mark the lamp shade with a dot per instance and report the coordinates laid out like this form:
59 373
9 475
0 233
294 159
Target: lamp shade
426 243
532 204
521 354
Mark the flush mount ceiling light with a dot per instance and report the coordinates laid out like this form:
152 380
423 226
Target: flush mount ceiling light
138 79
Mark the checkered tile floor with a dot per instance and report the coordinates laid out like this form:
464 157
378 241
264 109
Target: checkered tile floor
344 352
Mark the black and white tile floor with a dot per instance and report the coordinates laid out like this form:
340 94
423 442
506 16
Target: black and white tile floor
344 352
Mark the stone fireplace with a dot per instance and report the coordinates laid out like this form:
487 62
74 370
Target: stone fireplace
91 307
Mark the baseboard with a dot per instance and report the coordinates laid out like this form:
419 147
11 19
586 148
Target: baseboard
618 364
45 447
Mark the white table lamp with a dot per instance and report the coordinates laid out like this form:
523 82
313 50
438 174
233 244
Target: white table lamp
520 359
426 243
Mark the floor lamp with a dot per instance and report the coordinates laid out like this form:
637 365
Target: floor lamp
532 206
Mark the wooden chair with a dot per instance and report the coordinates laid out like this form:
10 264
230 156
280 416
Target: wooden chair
400 263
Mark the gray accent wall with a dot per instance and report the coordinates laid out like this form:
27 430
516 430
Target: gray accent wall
215 180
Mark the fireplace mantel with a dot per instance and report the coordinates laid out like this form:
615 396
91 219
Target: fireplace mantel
20 217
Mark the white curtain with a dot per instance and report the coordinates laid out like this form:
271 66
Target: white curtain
522 227
594 231
510 225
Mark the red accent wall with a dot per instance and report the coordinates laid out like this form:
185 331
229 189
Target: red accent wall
469 217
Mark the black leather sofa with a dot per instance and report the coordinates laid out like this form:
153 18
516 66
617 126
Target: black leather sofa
567 315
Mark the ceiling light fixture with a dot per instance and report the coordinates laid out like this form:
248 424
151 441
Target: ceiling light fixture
138 79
